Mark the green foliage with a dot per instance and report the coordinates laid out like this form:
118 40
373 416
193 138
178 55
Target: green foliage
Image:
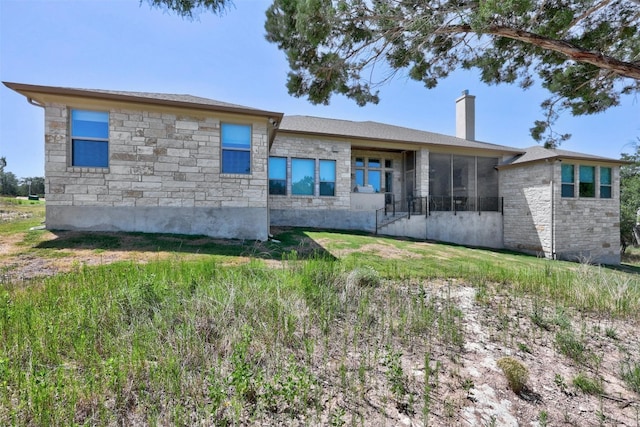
588 385
629 196
631 375
571 346
190 8
351 47
516 373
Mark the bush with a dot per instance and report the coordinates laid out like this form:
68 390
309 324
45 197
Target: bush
363 277
516 372
588 385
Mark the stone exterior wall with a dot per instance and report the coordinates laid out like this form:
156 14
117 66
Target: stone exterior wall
588 229
538 220
157 160
292 146
527 208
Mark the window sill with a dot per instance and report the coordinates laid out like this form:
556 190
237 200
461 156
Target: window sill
84 169
235 175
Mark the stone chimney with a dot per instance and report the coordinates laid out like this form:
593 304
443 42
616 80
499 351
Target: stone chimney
466 116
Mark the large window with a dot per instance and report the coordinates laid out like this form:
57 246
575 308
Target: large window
302 176
568 181
370 171
278 175
587 181
90 138
327 177
236 148
605 183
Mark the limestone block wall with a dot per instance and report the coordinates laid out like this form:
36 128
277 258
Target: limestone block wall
527 215
293 146
588 229
157 159
538 220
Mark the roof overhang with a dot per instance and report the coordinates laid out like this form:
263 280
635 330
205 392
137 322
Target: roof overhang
43 94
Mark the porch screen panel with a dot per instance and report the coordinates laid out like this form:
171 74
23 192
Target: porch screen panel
464 182
440 181
487 183
409 174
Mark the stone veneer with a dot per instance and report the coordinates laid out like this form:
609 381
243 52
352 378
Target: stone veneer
538 220
163 176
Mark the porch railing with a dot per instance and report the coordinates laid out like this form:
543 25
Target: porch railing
464 204
396 209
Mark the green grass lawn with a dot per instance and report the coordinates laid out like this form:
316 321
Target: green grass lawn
182 341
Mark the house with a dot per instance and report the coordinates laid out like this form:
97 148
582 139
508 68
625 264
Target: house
182 164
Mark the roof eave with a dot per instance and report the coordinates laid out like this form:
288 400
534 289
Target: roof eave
27 91
396 141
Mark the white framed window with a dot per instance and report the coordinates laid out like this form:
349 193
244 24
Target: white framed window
278 176
568 180
90 138
303 177
587 181
236 148
605 183
327 177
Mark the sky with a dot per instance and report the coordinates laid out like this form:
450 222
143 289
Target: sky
127 45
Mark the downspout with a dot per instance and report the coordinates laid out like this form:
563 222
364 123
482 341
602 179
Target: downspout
553 212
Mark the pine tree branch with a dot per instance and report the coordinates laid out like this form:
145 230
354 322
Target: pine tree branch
600 60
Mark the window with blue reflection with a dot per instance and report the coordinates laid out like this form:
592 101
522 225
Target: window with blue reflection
587 181
278 175
568 180
302 177
236 148
90 138
359 176
605 183
327 177
373 179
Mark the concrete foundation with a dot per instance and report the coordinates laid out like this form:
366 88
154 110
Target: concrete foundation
465 228
324 218
227 222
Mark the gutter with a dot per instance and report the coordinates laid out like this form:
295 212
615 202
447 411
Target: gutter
34 102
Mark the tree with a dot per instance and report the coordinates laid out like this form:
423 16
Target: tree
586 53
8 184
187 8
630 198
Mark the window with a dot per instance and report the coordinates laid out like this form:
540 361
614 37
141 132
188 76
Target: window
278 175
568 181
371 171
373 179
327 177
605 183
236 148
90 138
587 181
302 177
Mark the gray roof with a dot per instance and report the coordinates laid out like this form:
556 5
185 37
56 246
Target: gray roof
538 153
380 131
185 101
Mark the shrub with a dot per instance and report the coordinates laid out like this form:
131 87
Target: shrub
631 375
364 277
516 372
588 385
